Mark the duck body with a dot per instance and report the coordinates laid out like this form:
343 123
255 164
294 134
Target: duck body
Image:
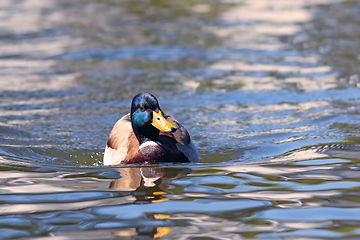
146 135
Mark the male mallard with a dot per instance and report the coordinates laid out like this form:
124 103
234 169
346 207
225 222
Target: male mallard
146 135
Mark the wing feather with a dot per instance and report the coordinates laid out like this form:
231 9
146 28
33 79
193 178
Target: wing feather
122 143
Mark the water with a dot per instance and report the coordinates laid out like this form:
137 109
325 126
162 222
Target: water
269 91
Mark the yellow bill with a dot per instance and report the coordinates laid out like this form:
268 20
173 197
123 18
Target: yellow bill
161 123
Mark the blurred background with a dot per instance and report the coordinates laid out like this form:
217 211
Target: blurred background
268 89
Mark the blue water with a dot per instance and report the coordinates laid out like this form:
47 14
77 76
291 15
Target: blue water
269 91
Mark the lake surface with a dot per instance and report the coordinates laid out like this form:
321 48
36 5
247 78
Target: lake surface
269 91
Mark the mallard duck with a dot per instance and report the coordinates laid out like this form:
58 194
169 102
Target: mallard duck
147 135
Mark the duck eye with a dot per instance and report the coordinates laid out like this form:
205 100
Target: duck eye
142 108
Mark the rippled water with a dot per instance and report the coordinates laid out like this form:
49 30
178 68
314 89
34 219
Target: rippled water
269 91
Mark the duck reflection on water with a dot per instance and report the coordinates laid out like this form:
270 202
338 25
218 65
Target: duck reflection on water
147 186
147 182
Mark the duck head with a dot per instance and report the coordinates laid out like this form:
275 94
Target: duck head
147 118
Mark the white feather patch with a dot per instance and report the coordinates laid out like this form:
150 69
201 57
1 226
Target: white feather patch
149 143
114 156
